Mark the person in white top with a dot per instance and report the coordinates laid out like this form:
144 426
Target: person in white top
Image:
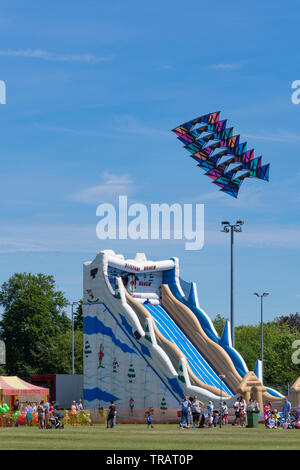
236 408
243 414
223 410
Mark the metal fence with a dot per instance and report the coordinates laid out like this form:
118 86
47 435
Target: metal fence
283 388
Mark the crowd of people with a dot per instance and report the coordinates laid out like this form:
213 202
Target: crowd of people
286 419
45 410
194 414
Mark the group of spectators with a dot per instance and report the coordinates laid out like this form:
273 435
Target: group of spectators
240 410
192 413
272 416
43 409
76 406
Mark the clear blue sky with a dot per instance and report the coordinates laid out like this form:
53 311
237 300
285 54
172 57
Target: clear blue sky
93 89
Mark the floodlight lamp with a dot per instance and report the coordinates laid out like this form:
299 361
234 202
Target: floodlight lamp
225 223
255 293
265 293
240 222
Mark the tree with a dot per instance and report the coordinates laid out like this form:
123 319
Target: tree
33 324
278 350
292 320
78 316
219 323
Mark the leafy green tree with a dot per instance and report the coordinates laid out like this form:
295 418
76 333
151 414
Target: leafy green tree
78 317
219 324
292 320
278 340
61 353
33 324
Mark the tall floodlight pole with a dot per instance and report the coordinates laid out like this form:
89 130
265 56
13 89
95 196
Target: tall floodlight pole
228 227
261 331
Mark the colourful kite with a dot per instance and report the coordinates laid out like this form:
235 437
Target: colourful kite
220 153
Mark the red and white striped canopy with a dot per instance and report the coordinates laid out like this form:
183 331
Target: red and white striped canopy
15 386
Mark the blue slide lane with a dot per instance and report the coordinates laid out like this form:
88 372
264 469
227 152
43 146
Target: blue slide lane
169 278
171 331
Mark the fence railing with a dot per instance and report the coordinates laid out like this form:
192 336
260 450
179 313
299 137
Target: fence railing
283 388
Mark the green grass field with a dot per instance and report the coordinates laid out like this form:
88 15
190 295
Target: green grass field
138 437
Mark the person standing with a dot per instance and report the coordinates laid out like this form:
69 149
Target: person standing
73 408
16 405
111 415
149 419
80 405
185 411
196 410
41 415
236 408
210 410
267 411
286 407
243 413
46 410
224 413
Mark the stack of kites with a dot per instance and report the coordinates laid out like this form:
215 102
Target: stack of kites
220 153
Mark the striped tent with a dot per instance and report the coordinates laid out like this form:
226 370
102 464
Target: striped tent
13 387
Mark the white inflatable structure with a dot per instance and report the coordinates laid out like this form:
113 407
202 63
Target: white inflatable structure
147 343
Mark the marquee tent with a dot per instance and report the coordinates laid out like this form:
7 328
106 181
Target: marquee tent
13 387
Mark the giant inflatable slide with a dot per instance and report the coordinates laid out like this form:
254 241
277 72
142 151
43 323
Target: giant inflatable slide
147 342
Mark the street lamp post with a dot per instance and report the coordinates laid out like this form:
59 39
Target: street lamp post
221 377
228 227
261 331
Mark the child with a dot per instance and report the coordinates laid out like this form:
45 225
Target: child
276 418
271 421
210 409
225 413
267 411
215 418
148 419
209 421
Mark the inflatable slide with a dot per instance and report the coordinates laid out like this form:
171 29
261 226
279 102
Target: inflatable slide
147 342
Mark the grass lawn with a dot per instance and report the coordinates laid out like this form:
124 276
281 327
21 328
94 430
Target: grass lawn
138 437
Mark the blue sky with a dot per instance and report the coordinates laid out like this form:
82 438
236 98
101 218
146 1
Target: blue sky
93 89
